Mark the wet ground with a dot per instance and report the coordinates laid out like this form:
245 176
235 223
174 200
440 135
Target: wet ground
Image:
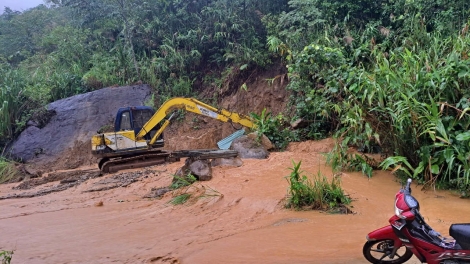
239 216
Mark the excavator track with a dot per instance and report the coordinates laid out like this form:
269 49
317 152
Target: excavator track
107 165
139 161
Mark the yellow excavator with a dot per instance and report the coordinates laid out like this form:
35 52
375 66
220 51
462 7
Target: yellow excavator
138 135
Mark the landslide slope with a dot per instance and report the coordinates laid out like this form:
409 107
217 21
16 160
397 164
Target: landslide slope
63 142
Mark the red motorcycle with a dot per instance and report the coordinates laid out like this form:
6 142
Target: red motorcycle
409 234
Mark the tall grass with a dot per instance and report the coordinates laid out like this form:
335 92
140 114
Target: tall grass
12 100
416 100
319 194
8 170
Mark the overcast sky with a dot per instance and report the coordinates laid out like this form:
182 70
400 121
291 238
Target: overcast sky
19 5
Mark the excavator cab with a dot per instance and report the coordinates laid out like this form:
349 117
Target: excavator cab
134 118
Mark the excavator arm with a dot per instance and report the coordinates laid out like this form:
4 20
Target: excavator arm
191 105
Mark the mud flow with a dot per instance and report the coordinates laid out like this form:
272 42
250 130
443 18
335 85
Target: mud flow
239 216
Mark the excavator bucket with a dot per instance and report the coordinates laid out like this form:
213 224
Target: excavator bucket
226 142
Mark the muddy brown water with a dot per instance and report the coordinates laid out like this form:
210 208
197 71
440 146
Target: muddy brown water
240 218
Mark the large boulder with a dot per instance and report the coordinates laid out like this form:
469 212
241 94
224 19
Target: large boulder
64 141
263 140
201 169
248 148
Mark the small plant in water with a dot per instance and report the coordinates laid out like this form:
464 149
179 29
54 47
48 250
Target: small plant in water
180 199
180 182
319 194
185 190
6 256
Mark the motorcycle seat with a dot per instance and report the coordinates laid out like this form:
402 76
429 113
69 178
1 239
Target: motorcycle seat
461 234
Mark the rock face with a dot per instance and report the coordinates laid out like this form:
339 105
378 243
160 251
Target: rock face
64 142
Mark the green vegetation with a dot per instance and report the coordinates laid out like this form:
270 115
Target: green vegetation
319 194
180 199
183 184
8 170
6 256
180 182
395 81
275 128
185 189
391 76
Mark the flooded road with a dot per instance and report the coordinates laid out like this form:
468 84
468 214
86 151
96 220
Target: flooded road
240 218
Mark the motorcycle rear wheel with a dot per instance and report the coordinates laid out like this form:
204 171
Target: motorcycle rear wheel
378 252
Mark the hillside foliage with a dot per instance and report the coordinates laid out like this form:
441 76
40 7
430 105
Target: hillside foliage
379 75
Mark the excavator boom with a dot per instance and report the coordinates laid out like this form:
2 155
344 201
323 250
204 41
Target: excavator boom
130 143
195 106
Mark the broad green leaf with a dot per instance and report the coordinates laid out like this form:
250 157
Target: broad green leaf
463 136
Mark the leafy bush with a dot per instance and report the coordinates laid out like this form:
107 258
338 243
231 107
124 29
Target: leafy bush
320 195
316 74
275 128
340 159
461 185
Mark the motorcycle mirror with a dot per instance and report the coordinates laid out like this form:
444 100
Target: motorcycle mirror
408 184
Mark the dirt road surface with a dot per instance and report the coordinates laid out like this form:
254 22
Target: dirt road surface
240 219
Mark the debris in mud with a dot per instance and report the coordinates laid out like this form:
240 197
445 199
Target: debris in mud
28 172
235 162
67 180
290 220
58 188
64 177
157 192
165 259
119 180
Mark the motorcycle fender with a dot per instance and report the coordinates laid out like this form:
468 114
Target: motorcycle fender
385 232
